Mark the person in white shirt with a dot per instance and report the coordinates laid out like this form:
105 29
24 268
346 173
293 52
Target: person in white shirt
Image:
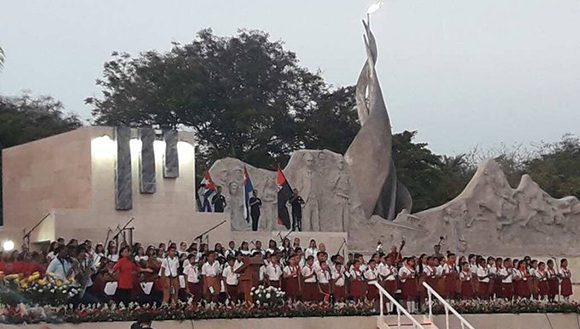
293 278
483 276
309 275
191 272
231 251
312 250
230 278
182 249
323 277
211 272
338 278
371 275
258 249
542 277
357 283
408 280
506 276
169 273
274 271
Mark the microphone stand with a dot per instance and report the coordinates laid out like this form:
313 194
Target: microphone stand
200 237
26 236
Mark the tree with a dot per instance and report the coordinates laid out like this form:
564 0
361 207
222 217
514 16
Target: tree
240 95
26 118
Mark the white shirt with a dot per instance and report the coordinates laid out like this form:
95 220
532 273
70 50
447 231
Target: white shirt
541 275
306 271
210 270
274 272
310 252
357 274
230 252
230 276
409 272
292 271
371 274
338 276
169 267
141 258
505 272
482 271
192 273
465 276
323 276
387 272
449 268
564 272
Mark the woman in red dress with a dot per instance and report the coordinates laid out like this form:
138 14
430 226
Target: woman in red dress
126 270
566 276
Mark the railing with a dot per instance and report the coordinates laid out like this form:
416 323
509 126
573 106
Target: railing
447 306
399 307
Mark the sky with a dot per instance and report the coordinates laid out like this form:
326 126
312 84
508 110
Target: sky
464 74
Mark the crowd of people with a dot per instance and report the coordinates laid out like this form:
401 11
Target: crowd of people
167 272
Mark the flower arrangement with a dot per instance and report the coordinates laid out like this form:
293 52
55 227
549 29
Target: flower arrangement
267 296
502 306
35 290
181 311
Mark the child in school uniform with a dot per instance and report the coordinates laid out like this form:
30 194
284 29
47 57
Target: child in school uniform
191 272
566 277
371 275
338 280
357 283
310 288
521 282
451 277
553 283
407 277
292 278
542 278
323 277
465 277
497 285
274 271
388 275
230 279
483 276
506 276
211 272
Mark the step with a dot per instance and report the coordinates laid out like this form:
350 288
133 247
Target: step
390 321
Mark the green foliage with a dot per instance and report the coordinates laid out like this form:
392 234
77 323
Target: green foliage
243 96
25 118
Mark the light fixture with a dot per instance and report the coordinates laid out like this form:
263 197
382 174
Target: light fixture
8 245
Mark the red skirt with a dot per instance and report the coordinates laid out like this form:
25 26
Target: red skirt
358 289
232 291
409 289
339 293
195 290
275 284
292 287
543 288
497 289
451 286
324 292
522 289
553 288
483 292
566 288
372 292
310 291
507 290
390 286
466 289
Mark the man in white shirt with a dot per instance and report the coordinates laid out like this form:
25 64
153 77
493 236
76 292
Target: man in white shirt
274 271
60 267
191 272
169 273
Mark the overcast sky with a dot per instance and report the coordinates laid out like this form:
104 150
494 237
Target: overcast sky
463 73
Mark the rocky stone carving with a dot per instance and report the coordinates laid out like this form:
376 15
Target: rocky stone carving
123 176
321 177
489 217
370 154
171 158
147 161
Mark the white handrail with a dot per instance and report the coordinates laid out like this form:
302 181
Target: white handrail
400 308
447 306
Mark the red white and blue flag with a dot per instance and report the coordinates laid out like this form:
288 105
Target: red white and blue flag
248 189
206 191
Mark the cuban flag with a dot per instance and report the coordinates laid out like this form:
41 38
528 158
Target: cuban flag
248 189
206 191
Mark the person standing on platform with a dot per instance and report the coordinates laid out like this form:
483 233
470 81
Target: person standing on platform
169 273
296 201
255 205
219 201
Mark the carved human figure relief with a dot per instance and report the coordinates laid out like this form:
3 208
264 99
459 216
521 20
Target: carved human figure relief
270 205
307 190
342 192
454 219
236 207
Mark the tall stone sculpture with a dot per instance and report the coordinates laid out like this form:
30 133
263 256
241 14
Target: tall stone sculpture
370 153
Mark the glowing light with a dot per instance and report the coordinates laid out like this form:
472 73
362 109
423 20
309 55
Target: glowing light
158 147
185 151
135 145
8 245
375 6
103 147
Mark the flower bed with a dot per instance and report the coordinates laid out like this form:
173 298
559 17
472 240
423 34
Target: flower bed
34 290
502 306
183 311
